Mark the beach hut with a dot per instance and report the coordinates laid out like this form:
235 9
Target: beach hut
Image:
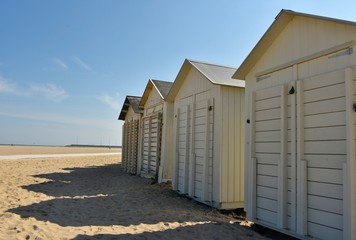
209 132
300 123
156 141
131 115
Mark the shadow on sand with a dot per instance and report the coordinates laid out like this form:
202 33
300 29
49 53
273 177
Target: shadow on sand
202 231
106 196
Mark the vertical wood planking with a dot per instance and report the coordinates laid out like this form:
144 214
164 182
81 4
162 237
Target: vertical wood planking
127 167
186 162
211 162
142 144
134 164
301 172
149 144
293 175
237 127
346 203
123 143
283 163
349 168
175 177
205 182
252 161
192 152
231 121
159 143
127 146
303 196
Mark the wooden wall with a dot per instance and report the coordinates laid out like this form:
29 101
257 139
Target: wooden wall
208 156
300 158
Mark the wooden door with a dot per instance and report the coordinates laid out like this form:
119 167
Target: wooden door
322 134
202 150
151 144
298 150
182 146
269 149
194 147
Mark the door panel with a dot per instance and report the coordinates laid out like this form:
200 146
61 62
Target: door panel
267 146
194 147
298 140
151 144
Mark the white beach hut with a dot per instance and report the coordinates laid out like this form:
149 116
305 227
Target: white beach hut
300 123
156 128
209 132
131 114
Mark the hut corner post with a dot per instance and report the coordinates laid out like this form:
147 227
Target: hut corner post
349 168
301 219
175 155
250 182
166 163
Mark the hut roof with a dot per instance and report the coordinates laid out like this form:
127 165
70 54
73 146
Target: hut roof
216 74
132 101
162 87
280 22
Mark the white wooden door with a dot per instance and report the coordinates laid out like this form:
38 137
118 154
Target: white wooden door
322 133
131 163
182 149
298 148
151 144
269 141
194 147
202 150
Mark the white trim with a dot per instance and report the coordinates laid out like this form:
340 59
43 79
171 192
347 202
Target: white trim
349 196
186 160
293 176
282 210
205 182
301 165
251 182
175 177
192 152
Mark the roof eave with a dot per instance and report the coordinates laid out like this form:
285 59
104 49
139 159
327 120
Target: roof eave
179 80
280 22
145 94
126 106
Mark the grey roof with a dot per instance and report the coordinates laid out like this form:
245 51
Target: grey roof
163 87
218 74
132 101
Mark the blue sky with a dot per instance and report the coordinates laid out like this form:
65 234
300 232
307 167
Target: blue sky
66 66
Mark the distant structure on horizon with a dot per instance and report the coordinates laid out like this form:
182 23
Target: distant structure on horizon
99 146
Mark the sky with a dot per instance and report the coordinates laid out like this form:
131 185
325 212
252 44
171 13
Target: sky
66 66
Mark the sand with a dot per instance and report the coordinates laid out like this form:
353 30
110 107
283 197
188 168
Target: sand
22 150
91 198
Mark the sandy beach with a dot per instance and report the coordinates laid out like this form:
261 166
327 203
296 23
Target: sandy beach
89 197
